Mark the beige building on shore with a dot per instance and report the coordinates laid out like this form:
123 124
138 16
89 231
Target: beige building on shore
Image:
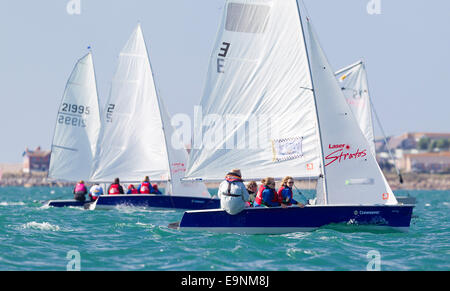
436 162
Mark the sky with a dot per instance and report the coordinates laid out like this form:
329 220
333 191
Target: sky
405 44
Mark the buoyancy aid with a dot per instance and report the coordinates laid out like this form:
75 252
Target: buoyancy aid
145 188
231 178
114 189
280 195
80 188
259 197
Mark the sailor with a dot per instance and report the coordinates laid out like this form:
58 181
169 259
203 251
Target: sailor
285 193
232 193
268 197
252 189
155 188
115 188
145 187
95 191
80 191
132 189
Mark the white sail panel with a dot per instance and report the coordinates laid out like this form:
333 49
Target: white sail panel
77 125
132 143
354 84
177 159
352 175
257 108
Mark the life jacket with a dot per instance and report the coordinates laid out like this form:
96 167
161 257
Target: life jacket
231 178
259 197
280 195
145 188
134 191
80 188
114 189
155 188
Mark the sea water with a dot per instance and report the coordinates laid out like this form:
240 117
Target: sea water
37 238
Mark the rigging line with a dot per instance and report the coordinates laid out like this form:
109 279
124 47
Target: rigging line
386 142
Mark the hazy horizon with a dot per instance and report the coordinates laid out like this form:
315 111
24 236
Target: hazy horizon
404 47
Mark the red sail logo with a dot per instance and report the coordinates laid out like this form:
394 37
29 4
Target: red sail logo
338 155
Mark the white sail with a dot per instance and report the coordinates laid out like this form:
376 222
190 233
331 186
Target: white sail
77 125
258 107
136 137
132 144
177 159
354 84
352 175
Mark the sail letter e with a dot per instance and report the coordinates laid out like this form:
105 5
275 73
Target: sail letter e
74 7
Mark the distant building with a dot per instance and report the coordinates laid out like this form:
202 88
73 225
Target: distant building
36 161
408 141
425 162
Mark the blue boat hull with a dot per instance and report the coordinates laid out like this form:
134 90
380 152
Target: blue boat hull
156 201
66 203
295 219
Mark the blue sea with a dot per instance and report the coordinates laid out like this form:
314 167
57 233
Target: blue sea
37 238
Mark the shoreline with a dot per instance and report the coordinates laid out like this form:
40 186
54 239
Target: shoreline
412 181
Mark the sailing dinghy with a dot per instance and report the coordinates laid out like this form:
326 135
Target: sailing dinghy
355 86
269 64
76 130
135 139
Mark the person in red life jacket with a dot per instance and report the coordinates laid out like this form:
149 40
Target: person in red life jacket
80 191
268 196
155 187
286 194
145 187
115 188
132 189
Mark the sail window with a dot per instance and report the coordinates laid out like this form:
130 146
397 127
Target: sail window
247 18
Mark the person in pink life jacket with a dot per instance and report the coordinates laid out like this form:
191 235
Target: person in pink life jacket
80 191
115 188
285 193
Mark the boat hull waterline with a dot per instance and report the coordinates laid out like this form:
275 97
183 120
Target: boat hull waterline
295 219
143 200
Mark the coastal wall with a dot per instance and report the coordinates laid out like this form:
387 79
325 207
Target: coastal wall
412 181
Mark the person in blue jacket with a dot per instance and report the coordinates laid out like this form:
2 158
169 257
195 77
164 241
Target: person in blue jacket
268 196
285 194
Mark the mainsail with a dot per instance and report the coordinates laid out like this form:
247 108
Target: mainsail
354 84
258 106
77 125
262 68
136 134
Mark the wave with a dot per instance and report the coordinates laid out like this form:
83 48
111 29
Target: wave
12 203
40 226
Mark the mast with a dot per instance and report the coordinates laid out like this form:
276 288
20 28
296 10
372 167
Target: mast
315 106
